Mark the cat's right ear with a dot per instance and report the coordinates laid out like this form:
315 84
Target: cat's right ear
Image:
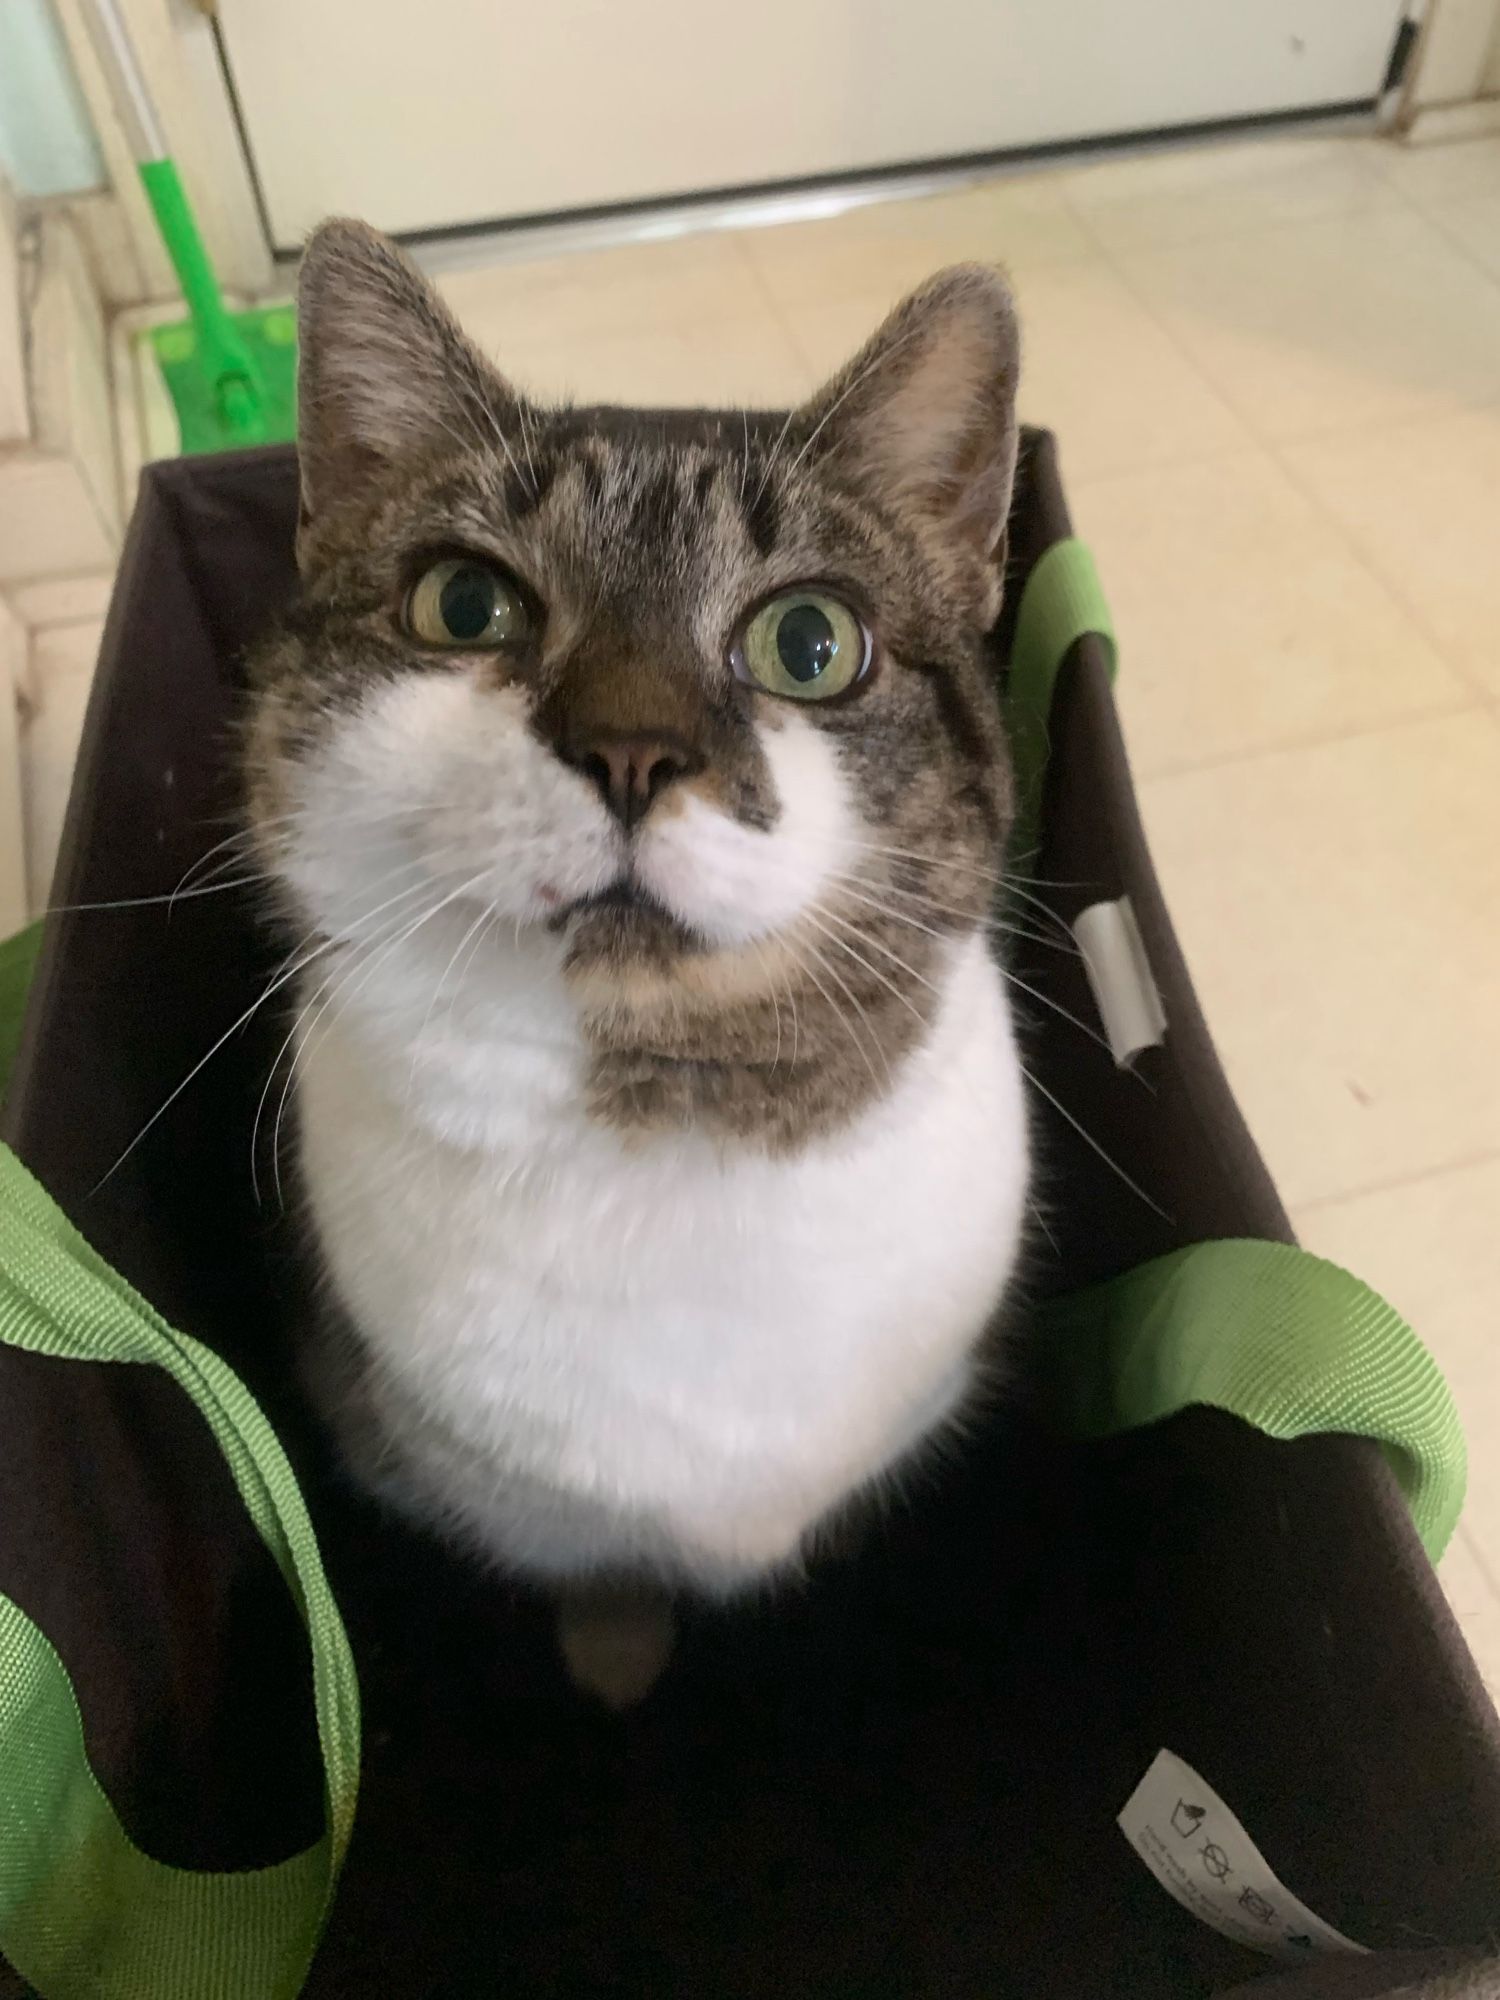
384 373
924 416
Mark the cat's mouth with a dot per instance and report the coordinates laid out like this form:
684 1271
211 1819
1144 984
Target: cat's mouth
621 922
624 894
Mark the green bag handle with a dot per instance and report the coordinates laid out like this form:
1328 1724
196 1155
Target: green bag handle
1062 600
1281 1339
1275 1336
84 1914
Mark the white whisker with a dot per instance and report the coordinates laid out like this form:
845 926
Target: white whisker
762 955
985 920
144 902
402 896
377 953
526 443
1087 1138
877 361
290 972
472 932
844 987
874 970
771 458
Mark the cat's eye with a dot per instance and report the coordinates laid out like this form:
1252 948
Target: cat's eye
463 602
806 644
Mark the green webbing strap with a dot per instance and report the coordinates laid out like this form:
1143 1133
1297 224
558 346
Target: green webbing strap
1062 600
18 956
1289 1343
84 1915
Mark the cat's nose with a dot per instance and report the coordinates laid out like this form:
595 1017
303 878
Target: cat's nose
631 772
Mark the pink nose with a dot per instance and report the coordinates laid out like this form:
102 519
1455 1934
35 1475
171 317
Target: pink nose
631 772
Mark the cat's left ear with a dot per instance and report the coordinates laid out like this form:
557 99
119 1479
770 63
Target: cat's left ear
924 416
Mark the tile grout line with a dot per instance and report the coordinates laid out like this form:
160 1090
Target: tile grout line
773 305
1321 739
1466 1163
1428 215
1466 249
1359 733
1177 461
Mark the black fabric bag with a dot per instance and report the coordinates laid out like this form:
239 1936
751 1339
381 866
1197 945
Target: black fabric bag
901 1779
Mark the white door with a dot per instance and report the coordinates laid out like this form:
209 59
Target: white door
424 115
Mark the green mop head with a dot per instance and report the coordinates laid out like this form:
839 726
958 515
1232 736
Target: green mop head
214 414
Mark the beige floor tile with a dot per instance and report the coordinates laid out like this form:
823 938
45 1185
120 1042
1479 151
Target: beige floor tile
1474 224
1245 621
63 661
1332 325
1432 1247
681 322
63 600
1340 909
885 249
1475 1602
1190 192
1436 174
745 361
581 294
1422 502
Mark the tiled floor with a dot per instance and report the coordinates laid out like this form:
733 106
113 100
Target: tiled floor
1275 373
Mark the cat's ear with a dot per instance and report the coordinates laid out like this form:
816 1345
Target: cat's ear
384 373
924 416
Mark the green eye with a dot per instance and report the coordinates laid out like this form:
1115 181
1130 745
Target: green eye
806 644
467 603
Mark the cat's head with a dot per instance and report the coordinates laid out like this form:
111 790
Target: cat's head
700 698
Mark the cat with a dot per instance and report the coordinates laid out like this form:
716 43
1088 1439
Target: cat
637 782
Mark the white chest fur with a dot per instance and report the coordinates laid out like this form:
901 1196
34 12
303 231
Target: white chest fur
671 1352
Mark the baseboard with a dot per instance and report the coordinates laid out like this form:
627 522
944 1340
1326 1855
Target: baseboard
1443 124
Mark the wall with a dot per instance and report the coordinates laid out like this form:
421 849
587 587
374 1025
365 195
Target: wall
60 498
1457 57
1489 82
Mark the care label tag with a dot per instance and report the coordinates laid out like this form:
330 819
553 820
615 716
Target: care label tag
1199 1852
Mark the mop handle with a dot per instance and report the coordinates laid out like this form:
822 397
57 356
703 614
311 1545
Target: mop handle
226 358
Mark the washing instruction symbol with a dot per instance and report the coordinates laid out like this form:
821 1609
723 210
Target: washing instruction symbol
1257 1906
1187 1819
1300 1939
1215 1860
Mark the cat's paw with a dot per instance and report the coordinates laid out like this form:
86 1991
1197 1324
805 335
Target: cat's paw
615 1646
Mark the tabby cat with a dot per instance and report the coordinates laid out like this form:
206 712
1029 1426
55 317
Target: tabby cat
635 779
